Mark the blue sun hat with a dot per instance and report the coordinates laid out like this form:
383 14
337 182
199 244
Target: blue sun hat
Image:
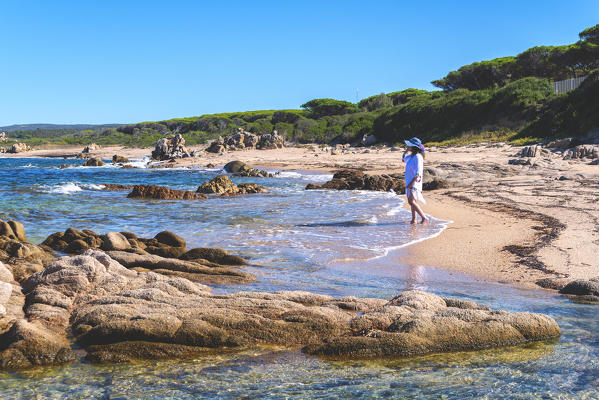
415 142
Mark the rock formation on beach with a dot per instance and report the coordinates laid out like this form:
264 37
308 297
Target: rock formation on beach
117 314
223 185
170 147
162 193
244 140
16 148
579 290
21 257
239 168
358 180
90 148
166 254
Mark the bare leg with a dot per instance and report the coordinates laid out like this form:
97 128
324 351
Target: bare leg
416 209
412 203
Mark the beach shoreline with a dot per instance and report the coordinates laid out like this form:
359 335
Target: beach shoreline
496 219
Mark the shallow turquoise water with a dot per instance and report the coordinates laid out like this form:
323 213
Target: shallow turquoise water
338 243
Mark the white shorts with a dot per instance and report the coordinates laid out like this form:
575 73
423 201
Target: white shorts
417 194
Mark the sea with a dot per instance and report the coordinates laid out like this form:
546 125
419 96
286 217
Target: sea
340 243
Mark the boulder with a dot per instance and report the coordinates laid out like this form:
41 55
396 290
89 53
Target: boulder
94 162
90 148
18 148
115 241
582 151
165 254
246 140
565 143
118 315
20 256
223 185
239 168
170 239
358 180
235 166
162 193
582 290
530 151
582 287
368 140
219 256
170 147
116 159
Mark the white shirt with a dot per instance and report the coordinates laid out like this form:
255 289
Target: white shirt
414 167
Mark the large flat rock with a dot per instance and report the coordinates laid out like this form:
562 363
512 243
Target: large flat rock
119 314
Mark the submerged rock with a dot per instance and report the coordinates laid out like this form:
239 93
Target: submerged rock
223 185
94 162
162 193
116 314
116 186
582 290
116 159
239 168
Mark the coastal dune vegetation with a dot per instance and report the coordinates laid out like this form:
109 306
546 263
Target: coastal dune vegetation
508 98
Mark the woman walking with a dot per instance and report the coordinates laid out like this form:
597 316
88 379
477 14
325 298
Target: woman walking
413 157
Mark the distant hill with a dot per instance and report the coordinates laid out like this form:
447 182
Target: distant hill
32 127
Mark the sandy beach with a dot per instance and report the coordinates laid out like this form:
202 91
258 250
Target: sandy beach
511 223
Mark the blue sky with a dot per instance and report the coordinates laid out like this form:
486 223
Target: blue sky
130 61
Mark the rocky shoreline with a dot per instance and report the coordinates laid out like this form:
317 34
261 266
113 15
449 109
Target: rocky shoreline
120 297
117 314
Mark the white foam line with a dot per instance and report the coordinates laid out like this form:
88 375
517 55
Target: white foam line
401 246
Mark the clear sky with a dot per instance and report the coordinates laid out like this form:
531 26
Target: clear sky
124 61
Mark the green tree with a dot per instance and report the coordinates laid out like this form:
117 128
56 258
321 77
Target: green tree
590 35
324 107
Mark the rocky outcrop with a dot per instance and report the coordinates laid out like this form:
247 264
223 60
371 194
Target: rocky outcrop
166 254
223 185
415 323
18 148
530 151
116 314
582 290
162 193
239 168
244 140
21 257
116 186
357 180
582 151
3 137
90 148
94 162
170 147
116 159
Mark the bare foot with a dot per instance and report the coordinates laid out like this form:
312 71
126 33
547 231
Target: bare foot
425 220
413 222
